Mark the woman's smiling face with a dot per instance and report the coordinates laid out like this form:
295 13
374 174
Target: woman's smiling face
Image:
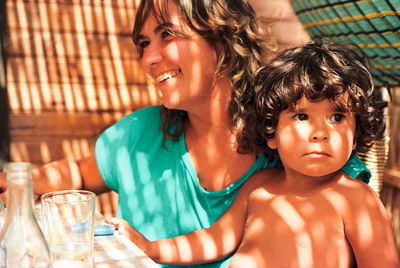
181 62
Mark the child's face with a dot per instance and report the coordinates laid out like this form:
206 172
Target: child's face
315 139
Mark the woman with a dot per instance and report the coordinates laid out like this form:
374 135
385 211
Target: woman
177 167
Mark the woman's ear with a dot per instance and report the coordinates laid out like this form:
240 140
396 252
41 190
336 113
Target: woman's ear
272 143
354 145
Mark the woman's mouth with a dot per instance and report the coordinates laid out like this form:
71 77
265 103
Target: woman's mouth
165 76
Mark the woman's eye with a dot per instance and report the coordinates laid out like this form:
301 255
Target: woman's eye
143 44
337 117
301 117
166 34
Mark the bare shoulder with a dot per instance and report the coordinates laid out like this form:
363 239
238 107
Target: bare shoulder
355 192
346 184
263 179
366 223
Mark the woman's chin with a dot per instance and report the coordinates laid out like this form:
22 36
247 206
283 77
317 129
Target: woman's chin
171 103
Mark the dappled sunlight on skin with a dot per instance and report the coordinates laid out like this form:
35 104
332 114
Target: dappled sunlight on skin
197 95
182 242
200 244
286 211
224 242
307 231
248 261
319 134
307 209
209 246
274 228
365 227
362 220
228 238
294 139
187 54
296 224
220 172
167 250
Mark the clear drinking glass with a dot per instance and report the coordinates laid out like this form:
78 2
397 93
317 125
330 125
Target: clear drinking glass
68 221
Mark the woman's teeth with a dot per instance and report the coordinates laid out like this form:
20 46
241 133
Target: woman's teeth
166 76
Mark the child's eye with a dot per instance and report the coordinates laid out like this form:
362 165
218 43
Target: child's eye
301 117
337 117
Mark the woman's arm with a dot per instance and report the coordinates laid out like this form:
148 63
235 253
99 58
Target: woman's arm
69 174
201 246
64 174
369 230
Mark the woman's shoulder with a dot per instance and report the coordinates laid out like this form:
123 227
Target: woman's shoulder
147 113
142 118
149 110
146 120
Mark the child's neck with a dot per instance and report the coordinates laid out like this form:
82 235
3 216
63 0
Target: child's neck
301 184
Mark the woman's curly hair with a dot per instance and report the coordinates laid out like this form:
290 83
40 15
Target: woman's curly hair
246 45
319 70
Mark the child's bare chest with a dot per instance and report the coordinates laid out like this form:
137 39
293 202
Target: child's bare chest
290 231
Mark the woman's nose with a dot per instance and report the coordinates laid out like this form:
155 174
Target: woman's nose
151 56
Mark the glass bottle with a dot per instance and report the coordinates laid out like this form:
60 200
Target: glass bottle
22 243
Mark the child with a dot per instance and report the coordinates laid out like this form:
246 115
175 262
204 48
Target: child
315 107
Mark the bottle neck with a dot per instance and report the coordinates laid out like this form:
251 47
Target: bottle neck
20 197
19 189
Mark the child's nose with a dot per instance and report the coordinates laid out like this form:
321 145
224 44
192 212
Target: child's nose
320 137
320 133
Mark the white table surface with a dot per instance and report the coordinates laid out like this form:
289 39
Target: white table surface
114 251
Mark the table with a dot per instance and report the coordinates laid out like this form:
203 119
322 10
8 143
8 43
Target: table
114 251
118 251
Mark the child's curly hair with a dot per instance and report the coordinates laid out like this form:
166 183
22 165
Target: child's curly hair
319 70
